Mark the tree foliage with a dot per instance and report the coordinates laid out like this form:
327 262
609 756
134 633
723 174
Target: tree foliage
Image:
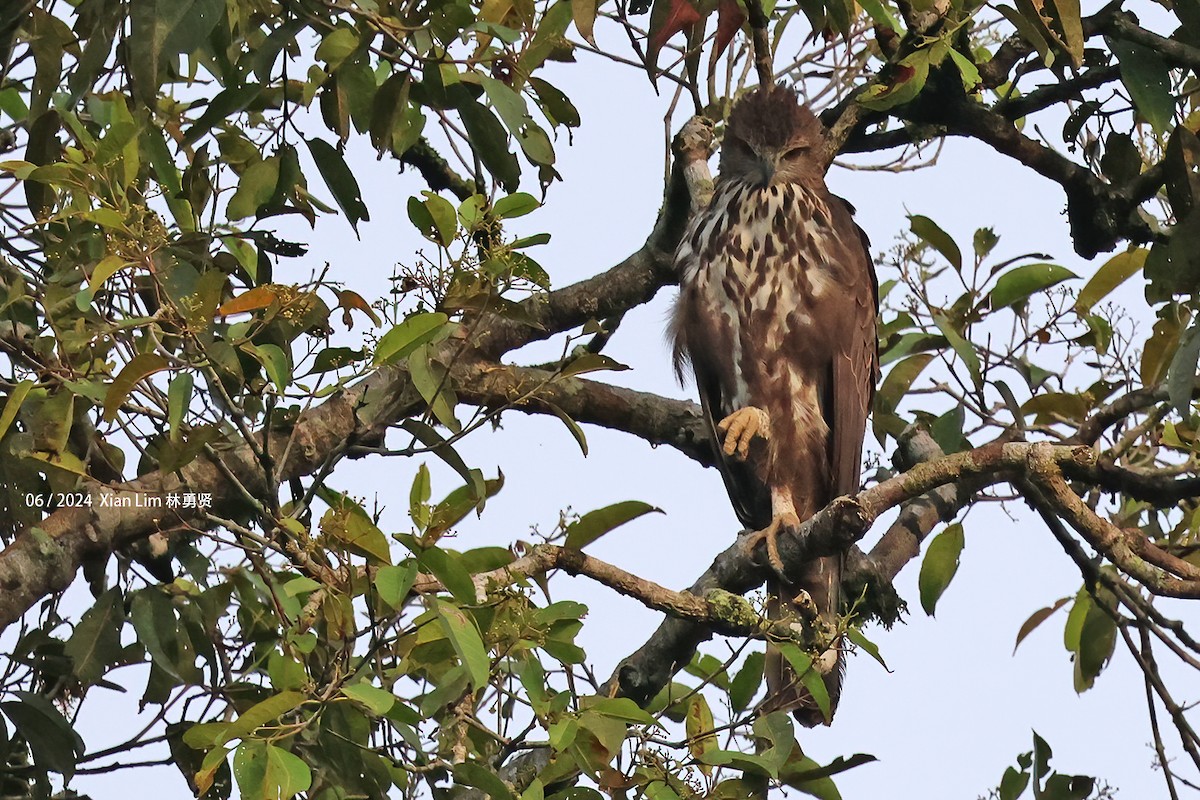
169 401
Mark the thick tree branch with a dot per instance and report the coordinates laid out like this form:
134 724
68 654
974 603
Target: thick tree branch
636 279
834 529
45 559
436 170
651 417
723 612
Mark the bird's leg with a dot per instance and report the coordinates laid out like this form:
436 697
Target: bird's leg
783 518
786 520
741 427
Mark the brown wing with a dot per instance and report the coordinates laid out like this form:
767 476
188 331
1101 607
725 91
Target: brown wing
855 366
750 497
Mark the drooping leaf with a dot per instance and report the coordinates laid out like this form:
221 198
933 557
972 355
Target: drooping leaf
699 726
54 742
1148 80
490 141
340 180
746 683
939 566
379 701
472 773
515 205
13 405
594 524
393 582
1016 285
1181 376
95 644
347 522
1111 274
139 367
255 188
416 330
962 348
467 643
1036 619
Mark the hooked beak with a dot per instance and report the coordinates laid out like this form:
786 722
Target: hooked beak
767 170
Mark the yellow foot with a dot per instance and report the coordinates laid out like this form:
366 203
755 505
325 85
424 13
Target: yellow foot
741 427
771 533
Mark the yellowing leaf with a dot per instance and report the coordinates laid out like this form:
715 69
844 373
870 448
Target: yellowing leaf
139 367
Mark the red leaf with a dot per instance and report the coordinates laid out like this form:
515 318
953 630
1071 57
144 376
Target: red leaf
729 21
680 14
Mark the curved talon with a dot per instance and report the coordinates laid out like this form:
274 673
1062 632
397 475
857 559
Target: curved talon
741 427
786 520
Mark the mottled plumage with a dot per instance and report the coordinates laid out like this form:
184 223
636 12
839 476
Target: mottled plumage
776 315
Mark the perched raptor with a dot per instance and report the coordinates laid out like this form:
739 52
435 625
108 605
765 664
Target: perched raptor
776 315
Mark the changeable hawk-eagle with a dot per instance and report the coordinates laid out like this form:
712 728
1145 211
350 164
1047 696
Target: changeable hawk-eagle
776 315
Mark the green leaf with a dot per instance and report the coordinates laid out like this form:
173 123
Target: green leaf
431 379
964 349
572 426
394 583
746 683
812 680
1016 285
444 217
1148 81
699 727
340 180
555 105
54 743
286 774
471 773
95 643
489 140
1181 376
350 524
594 524
260 714
1035 619
878 12
250 769
939 566
465 638
429 437
899 379
378 701
591 362
856 636
621 708
416 330
13 405
255 188
966 69
935 237
906 80
337 45
1112 274
165 29
139 367
275 361
447 568
516 205
1097 640
179 397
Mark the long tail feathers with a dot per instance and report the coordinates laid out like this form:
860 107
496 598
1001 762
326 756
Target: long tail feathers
785 691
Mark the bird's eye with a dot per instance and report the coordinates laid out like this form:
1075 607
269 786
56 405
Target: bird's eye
797 152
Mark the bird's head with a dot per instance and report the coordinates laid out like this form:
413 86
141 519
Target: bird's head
772 139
